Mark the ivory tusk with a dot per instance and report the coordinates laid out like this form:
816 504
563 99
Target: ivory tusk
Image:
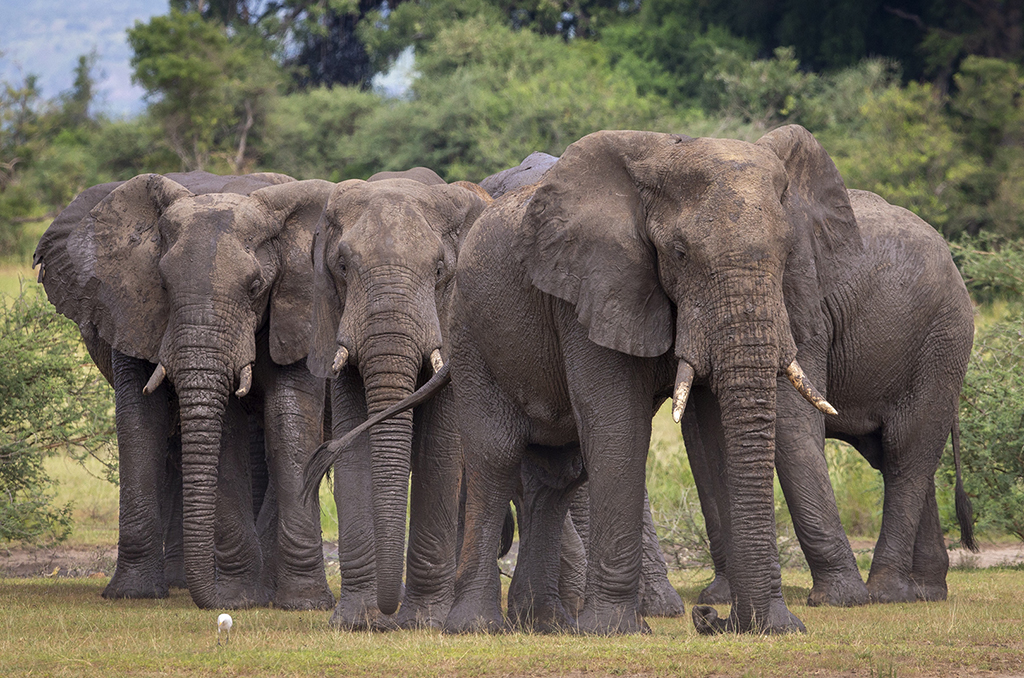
799 380
244 381
435 360
340 358
155 380
684 380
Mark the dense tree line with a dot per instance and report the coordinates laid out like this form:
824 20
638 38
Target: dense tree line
918 100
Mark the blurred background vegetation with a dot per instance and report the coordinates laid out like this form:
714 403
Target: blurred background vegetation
917 100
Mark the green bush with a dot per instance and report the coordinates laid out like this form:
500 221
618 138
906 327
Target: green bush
52 398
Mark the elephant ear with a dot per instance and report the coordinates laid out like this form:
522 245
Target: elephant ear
584 241
296 208
114 252
827 235
467 200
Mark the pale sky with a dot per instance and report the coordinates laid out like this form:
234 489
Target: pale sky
46 37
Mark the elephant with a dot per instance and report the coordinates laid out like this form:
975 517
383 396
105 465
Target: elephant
890 344
641 264
658 597
192 292
384 258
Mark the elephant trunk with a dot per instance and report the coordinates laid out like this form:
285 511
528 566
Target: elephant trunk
202 383
390 364
746 365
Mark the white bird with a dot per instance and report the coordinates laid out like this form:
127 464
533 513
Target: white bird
224 624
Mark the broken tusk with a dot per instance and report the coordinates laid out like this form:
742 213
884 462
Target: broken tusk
435 360
684 380
155 380
799 380
340 358
244 381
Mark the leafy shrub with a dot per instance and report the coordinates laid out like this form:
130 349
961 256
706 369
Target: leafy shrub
52 398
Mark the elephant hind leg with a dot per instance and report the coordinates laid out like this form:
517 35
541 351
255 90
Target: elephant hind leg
931 562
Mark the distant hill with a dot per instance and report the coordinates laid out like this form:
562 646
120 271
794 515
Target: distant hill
46 37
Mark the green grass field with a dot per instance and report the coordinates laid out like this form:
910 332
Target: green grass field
61 627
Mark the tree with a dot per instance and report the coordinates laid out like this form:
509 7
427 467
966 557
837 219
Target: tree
209 88
51 398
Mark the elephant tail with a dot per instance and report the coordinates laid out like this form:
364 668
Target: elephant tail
964 510
330 452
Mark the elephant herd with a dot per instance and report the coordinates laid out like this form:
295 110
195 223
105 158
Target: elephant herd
511 340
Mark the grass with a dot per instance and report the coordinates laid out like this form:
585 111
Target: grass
62 627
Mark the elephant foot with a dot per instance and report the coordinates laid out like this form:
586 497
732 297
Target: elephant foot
417 613
239 593
847 590
780 620
660 599
540 616
307 596
930 590
467 617
888 586
718 592
608 620
131 582
357 611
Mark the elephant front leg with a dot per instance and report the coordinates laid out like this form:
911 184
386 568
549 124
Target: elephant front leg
433 516
803 475
143 430
658 598
293 426
239 558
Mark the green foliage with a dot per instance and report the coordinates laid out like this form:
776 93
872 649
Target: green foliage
208 87
991 265
51 398
992 427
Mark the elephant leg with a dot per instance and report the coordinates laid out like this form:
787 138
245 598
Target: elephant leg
803 475
908 470
143 428
550 477
433 516
493 442
614 420
171 501
658 598
239 557
293 421
702 451
353 496
572 578
931 561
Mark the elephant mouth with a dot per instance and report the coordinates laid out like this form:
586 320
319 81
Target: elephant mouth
160 373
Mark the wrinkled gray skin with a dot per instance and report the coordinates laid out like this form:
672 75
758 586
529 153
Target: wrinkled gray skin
632 245
209 283
658 597
384 261
891 348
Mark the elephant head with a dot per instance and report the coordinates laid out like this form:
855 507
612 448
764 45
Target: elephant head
384 259
665 242
185 280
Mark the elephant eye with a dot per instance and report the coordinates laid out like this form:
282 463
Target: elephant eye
255 287
679 250
440 268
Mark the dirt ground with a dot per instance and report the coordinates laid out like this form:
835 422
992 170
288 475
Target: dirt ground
98 561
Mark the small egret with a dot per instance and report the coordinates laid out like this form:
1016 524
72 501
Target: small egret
224 624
